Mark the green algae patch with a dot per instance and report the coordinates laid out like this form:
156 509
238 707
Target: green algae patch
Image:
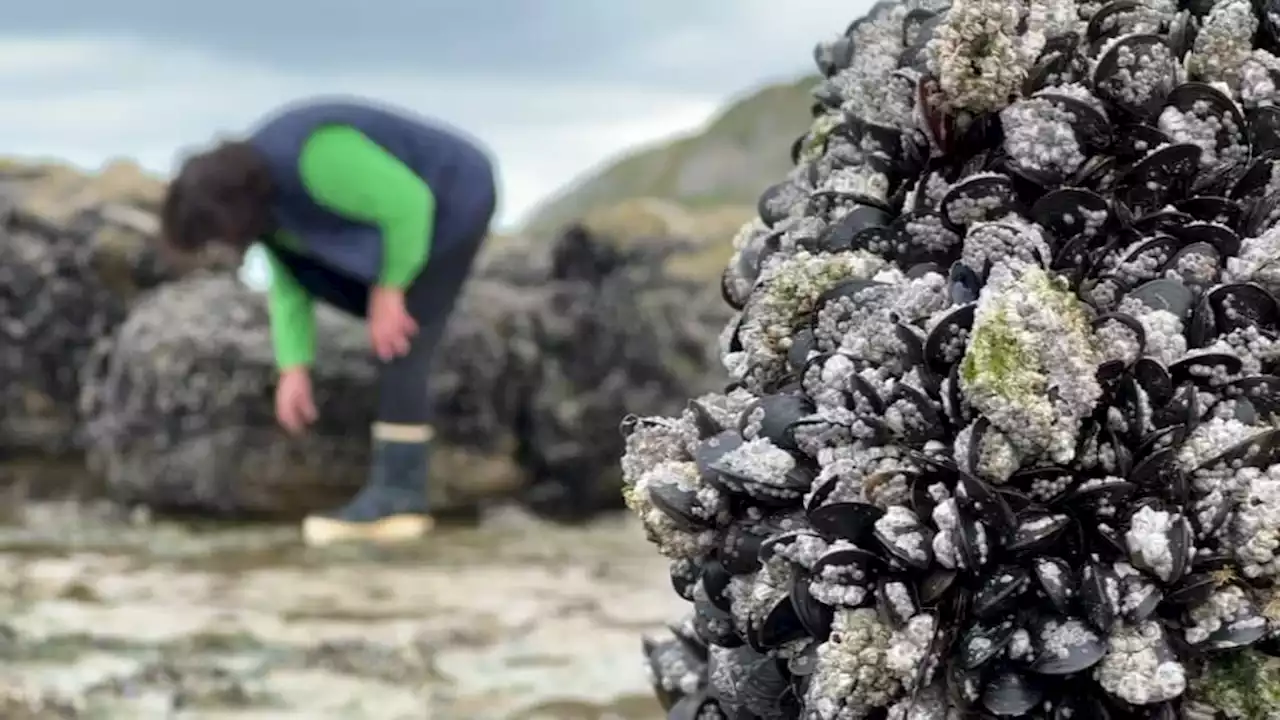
998 358
1031 362
1241 685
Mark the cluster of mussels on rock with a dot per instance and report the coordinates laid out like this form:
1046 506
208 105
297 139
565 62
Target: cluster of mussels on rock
1002 437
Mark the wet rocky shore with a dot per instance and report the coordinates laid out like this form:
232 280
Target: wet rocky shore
107 614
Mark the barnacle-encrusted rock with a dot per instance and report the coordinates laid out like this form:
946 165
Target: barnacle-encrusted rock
1006 409
53 307
75 251
538 364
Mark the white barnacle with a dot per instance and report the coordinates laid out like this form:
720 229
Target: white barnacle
1211 438
1040 135
786 295
1226 606
1139 667
1148 541
908 650
978 55
900 527
947 520
1255 531
853 677
1224 42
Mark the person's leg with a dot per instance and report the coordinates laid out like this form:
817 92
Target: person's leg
392 505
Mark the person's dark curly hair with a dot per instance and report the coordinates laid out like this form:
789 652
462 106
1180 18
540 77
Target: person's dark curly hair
219 196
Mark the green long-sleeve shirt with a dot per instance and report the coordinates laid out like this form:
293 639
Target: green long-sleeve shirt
352 176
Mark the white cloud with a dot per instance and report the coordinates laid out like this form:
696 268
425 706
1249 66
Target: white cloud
88 99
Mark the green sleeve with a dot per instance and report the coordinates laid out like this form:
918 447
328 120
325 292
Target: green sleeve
293 324
353 176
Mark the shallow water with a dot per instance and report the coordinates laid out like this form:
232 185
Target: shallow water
512 619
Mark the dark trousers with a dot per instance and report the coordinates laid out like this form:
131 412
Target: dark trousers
403 383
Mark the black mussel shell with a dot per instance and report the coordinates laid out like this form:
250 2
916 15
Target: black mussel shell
1242 305
1135 141
1011 694
1000 589
1141 599
1149 50
715 582
1162 173
777 415
1264 128
695 707
1037 531
984 641
944 347
685 574
839 235
780 544
1216 234
1260 451
813 615
925 422
935 585
1056 580
740 549
1213 210
713 625
802 343
963 285
770 207
852 521
919 535
680 505
846 557
960 207
765 689
1067 212
709 452
1055 657
1165 294
896 602
978 499
1193 590
1187 96
1262 392
1238 633
1115 11
1198 367
1100 595
781 625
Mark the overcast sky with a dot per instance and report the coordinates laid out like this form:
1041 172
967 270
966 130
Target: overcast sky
554 87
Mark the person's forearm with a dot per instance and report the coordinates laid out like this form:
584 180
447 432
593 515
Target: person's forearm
293 333
355 177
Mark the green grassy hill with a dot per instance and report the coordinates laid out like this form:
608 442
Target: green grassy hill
729 162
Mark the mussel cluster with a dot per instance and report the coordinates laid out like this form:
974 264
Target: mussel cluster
1002 438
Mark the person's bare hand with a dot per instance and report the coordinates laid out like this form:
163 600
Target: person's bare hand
295 406
391 327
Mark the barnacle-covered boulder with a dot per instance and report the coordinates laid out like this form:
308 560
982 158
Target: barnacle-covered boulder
75 251
1003 436
53 308
179 406
544 353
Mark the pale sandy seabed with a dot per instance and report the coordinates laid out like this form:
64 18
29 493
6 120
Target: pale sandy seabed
512 619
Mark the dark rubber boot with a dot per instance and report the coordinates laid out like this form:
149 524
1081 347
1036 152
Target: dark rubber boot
392 506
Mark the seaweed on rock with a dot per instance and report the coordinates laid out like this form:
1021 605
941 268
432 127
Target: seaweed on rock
1002 438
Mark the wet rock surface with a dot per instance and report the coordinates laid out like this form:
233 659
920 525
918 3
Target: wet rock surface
1003 437
544 356
116 618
